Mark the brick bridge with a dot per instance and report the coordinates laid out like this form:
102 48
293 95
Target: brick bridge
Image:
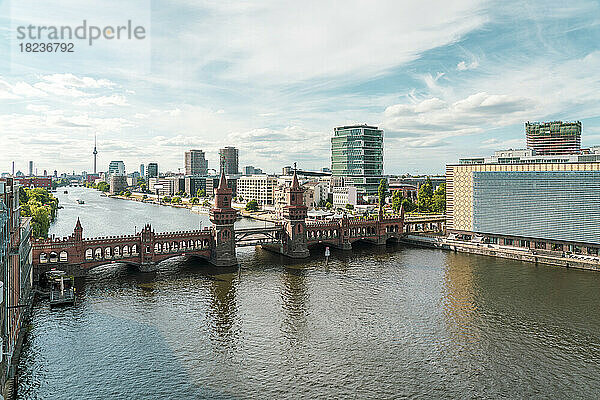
292 237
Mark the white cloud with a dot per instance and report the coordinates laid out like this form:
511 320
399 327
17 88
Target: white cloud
464 66
291 41
104 101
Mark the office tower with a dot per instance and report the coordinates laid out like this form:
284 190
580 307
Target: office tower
116 168
357 157
152 170
516 198
229 157
30 168
195 163
554 137
142 170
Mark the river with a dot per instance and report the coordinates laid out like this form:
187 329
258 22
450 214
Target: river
378 322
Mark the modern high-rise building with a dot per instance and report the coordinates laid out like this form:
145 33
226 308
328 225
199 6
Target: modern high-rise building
357 157
250 170
196 163
556 137
142 170
516 198
30 168
116 168
229 157
152 170
257 187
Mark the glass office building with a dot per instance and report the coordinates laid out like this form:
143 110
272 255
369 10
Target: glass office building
552 206
357 157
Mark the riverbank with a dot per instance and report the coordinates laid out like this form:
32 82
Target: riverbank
511 253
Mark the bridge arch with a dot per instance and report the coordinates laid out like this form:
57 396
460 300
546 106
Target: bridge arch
43 258
89 254
53 257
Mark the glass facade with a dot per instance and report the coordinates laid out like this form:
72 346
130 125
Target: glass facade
357 156
557 205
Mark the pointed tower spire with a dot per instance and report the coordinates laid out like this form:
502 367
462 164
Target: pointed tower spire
295 184
78 225
223 182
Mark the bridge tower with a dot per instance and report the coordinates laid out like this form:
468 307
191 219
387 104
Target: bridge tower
146 247
223 216
77 238
294 224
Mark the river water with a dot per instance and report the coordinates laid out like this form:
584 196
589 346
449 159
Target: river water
381 323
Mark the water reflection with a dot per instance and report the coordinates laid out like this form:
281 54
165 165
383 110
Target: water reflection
459 297
294 296
222 308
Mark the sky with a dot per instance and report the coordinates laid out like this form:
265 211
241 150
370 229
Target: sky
444 80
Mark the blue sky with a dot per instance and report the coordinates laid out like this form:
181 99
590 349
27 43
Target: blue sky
443 79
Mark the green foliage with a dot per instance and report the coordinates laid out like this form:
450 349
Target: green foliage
408 205
41 206
349 207
397 201
127 193
176 200
438 200
329 205
206 203
382 191
194 200
181 193
425 194
144 197
103 186
252 205
166 199
201 193
141 181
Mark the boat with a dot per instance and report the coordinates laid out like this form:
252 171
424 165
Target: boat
80 201
66 192
62 288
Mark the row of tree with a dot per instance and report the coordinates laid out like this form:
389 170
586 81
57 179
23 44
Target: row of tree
428 200
41 206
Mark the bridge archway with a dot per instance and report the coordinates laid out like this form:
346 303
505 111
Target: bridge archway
89 254
53 257
43 258
63 256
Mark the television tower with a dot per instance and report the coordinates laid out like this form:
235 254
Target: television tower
95 154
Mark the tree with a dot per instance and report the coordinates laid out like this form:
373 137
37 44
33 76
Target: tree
201 193
176 200
141 181
425 194
206 203
143 187
382 192
252 205
328 205
144 197
438 200
103 186
166 199
127 193
349 207
397 201
194 200
408 205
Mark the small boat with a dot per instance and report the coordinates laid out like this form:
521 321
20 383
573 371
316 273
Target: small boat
80 201
62 288
66 192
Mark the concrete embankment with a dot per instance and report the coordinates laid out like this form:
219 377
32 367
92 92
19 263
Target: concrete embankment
502 252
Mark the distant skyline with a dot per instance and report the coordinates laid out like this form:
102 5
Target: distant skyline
444 80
